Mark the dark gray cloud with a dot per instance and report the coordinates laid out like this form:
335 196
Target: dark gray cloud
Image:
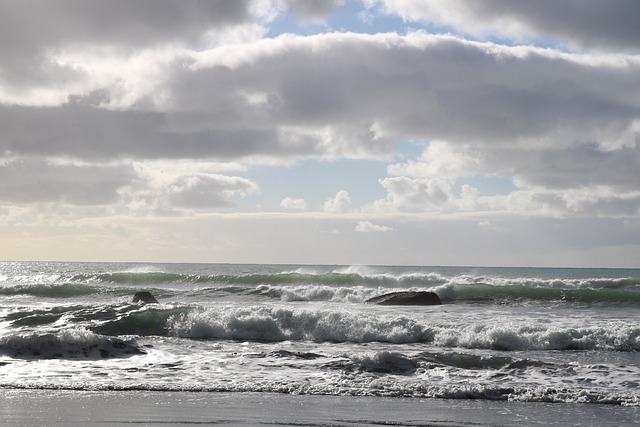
207 191
345 95
425 87
586 23
35 181
32 32
579 166
35 25
94 133
580 23
435 87
313 9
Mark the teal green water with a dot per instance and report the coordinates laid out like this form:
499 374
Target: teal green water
511 334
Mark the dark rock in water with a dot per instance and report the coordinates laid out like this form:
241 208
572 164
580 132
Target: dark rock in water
145 297
406 298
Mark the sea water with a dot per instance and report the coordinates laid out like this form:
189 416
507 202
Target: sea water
512 335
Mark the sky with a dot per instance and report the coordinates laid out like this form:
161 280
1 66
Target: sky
389 132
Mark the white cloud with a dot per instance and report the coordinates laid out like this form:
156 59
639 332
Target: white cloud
290 203
405 192
369 227
582 179
162 187
338 204
440 160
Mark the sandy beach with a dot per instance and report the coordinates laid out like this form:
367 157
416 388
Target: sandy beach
84 408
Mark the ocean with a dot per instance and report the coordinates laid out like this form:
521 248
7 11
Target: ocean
517 337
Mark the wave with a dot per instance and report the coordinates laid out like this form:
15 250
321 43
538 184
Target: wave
448 293
50 290
281 278
277 324
621 292
75 290
457 293
143 321
357 284
342 285
397 363
354 294
67 343
448 374
322 323
273 324
371 388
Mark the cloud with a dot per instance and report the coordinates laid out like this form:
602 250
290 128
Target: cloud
405 192
584 24
552 121
578 166
25 181
147 22
313 10
369 227
131 186
290 203
162 187
341 96
30 56
582 179
440 160
208 190
509 241
160 109
338 204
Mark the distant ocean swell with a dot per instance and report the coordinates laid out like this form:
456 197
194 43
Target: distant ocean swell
222 279
615 292
610 291
344 277
73 290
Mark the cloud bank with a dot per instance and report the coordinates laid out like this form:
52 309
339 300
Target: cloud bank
581 24
162 109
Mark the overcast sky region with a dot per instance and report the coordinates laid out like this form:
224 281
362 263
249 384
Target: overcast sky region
396 132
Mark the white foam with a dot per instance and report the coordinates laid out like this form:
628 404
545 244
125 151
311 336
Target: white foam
355 294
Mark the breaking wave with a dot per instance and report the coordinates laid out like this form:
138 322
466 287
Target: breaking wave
67 343
271 324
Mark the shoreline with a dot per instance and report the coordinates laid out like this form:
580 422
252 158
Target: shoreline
30 407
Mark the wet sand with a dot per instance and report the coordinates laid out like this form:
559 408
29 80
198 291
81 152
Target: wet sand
86 408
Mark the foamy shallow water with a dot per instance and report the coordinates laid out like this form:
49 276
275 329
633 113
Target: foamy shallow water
504 335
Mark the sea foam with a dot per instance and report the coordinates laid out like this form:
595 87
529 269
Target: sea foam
320 325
